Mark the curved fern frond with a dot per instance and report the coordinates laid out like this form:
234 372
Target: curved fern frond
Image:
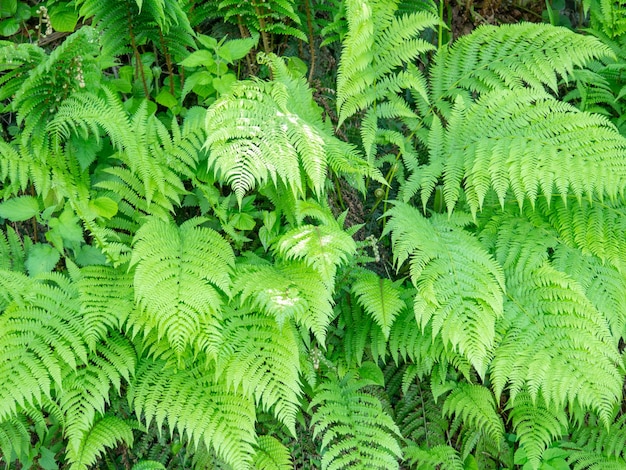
271 454
105 433
286 290
526 142
322 247
552 340
106 297
180 275
356 431
510 57
459 286
86 391
194 403
377 43
262 359
476 406
379 297
263 132
430 458
15 438
41 338
536 425
603 285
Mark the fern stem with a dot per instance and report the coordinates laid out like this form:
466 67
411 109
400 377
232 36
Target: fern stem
338 191
168 61
309 25
138 64
262 28
243 31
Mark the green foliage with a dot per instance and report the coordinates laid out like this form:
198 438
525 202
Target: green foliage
194 249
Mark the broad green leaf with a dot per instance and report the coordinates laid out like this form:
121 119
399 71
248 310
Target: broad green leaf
63 18
371 372
198 58
8 8
236 49
42 258
165 98
104 207
19 208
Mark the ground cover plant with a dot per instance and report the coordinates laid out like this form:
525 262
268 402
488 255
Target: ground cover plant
310 234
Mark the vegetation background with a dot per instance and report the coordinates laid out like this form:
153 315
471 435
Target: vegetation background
312 234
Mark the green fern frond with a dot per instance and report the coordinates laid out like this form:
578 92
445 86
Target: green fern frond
475 405
377 43
510 57
194 403
420 418
148 465
441 456
271 454
41 338
536 425
596 228
356 431
379 297
262 132
52 81
12 252
106 296
603 285
105 433
178 271
459 286
86 391
14 438
589 460
323 247
607 16
526 142
261 358
551 338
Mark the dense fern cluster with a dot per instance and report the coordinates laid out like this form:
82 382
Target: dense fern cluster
181 286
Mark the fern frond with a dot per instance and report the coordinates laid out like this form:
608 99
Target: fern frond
459 286
420 418
526 142
52 81
377 43
86 391
192 401
271 454
551 338
379 297
105 433
603 285
106 296
41 338
323 247
510 57
262 132
356 431
475 405
596 228
262 359
430 458
178 271
535 424
14 438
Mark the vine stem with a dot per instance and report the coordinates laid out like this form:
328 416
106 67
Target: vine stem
309 24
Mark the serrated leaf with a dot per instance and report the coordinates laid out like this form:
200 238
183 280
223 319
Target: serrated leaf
42 258
19 208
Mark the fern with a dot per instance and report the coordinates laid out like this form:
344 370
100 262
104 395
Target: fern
551 338
380 298
271 454
107 432
427 459
181 274
468 297
191 401
262 359
476 406
14 437
356 432
262 132
536 425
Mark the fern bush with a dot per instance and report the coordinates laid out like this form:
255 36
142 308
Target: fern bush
181 285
